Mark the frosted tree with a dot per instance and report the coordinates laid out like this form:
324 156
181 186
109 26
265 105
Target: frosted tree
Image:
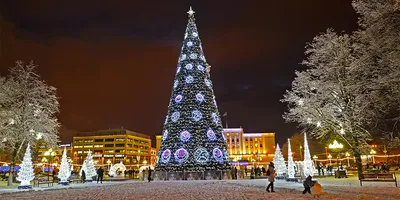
65 171
111 172
83 168
28 109
26 174
291 165
279 161
90 169
308 164
193 138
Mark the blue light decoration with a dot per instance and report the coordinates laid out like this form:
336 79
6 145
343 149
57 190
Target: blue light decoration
211 135
185 136
201 155
175 116
165 135
189 44
181 155
200 68
176 84
178 70
189 79
200 97
178 98
196 115
214 117
218 155
195 34
207 82
165 156
189 66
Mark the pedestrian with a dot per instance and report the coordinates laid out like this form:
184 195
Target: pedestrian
235 171
83 177
308 183
149 175
100 173
271 177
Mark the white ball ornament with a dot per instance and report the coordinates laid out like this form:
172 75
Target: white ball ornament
189 44
189 66
195 34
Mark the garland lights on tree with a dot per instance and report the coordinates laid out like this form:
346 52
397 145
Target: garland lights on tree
65 171
193 137
26 174
291 165
90 169
83 168
279 161
308 164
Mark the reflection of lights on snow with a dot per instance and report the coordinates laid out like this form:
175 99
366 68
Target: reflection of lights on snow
318 124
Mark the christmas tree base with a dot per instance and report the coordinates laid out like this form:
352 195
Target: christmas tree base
25 187
292 180
63 183
188 175
280 177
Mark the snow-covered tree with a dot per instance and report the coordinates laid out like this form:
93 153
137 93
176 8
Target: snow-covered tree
291 165
65 171
308 164
25 173
279 161
28 108
90 169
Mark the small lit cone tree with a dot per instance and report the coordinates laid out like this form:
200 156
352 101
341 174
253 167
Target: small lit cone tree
291 165
90 169
65 171
308 164
26 174
193 138
279 161
83 168
111 173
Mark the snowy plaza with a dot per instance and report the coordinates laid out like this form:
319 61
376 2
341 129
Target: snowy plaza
230 189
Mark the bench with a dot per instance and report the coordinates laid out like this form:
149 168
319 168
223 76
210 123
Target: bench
73 179
42 180
374 177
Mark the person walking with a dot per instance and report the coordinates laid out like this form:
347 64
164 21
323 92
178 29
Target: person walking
83 176
235 171
100 173
308 183
149 175
271 177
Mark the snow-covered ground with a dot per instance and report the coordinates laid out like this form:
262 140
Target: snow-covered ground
220 190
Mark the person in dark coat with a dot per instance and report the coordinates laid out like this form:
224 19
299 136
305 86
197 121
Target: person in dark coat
149 175
308 183
235 171
271 177
83 177
100 173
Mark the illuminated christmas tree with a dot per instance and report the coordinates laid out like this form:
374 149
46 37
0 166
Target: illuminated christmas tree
279 161
308 164
90 169
291 165
193 138
25 173
65 171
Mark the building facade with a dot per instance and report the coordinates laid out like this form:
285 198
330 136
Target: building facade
113 146
248 149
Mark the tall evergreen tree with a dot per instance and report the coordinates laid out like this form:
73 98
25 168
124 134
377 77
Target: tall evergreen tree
308 164
90 169
193 137
65 171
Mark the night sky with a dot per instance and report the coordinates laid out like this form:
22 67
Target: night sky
114 62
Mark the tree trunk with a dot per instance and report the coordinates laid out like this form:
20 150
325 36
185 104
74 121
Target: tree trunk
357 155
13 159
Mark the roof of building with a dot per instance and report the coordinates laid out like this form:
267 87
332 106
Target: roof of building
112 132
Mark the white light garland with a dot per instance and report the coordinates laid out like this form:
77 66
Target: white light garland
183 57
178 70
195 34
215 118
176 83
193 56
207 82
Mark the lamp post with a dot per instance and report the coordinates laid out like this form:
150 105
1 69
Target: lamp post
348 161
50 153
330 157
385 151
336 145
315 157
109 163
373 152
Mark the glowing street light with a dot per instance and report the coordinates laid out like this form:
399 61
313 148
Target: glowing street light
50 153
373 152
348 161
336 145
330 157
315 157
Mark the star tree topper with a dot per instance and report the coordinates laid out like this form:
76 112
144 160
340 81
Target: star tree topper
191 12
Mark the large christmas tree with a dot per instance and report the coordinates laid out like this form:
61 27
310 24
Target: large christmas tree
193 137
90 168
65 171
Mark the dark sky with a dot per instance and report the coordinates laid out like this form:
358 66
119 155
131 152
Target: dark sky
114 62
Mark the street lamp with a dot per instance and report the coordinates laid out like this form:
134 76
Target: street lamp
385 151
336 145
330 157
348 161
373 152
50 153
315 157
109 163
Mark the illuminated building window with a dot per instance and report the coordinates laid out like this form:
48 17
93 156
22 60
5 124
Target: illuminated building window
119 151
76 147
247 146
256 145
79 152
129 145
135 146
109 145
88 146
108 151
89 140
98 140
251 139
255 139
245 139
98 146
120 139
237 140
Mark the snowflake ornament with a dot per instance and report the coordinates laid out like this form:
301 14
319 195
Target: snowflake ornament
165 135
189 44
196 115
178 98
189 79
189 66
201 155
207 82
200 68
166 156
211 135
183 57
193 56
176 83
181 155
218 155
195 34
185 136
175 116
200 97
